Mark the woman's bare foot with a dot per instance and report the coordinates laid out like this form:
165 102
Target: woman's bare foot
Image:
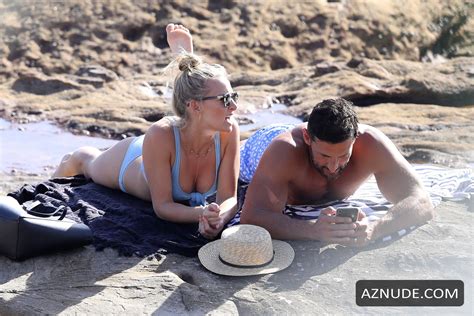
179 38
77 162
67 167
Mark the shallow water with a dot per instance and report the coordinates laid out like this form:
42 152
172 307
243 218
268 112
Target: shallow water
39 147
268 116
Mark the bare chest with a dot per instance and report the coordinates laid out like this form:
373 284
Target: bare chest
311 187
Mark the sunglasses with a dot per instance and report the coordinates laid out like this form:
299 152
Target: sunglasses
226 98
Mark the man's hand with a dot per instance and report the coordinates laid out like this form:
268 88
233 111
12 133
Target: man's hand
342 230
364 232
334 229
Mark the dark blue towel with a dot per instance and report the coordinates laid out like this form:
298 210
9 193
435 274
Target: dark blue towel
116 219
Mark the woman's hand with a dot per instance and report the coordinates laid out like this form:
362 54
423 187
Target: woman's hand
210 223
212 214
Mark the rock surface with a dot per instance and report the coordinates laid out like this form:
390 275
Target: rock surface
127 38
421 106
94 67
321 279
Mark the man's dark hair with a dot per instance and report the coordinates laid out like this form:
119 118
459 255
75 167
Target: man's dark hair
333 121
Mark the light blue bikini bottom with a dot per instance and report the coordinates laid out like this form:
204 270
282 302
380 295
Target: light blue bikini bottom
133 152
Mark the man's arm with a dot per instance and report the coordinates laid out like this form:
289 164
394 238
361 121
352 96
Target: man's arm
400 185
267 195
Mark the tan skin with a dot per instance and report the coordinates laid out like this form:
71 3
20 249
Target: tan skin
286 174
197 174
198 160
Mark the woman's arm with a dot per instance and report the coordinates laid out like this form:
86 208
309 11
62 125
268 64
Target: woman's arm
229 175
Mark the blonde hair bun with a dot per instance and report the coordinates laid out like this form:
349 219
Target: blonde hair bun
188 61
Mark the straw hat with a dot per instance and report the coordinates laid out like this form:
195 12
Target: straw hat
246 250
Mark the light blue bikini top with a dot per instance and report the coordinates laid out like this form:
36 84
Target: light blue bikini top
194 198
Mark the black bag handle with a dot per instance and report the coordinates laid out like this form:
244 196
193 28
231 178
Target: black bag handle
60 211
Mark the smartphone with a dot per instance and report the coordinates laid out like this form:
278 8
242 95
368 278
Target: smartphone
352 212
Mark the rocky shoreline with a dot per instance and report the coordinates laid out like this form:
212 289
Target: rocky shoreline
95 69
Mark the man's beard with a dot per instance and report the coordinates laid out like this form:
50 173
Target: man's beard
329 176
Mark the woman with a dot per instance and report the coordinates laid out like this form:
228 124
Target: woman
178 164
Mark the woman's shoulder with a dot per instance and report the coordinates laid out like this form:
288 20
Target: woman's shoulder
162 130
234 134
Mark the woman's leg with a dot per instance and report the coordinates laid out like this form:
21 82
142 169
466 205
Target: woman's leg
101 166
73 163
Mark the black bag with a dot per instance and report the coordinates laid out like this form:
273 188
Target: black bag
23 235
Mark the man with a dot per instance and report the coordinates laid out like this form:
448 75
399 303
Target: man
328 158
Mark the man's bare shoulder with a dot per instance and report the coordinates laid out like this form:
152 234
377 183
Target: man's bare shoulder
368 130
375 149
287 143
370 137
283 156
